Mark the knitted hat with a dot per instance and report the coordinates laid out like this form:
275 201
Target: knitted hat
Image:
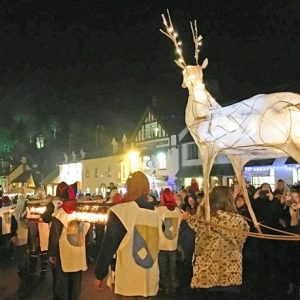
73 188
137 186
167 198
69 193
116 198
60 188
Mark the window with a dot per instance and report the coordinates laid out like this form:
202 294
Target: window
87 173
96 172
151 130
161 161
296 174
259 180
192 151
40 143
187 181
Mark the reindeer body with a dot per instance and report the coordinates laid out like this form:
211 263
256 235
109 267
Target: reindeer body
263 121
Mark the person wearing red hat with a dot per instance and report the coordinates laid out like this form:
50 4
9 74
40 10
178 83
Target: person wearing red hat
116 198
133 234
171 217
67 251
194 185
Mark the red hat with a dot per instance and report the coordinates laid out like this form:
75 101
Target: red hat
167 198
68 196
69 193
72 190
60 188
117 198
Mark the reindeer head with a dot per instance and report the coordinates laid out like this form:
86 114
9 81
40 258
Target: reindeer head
191 74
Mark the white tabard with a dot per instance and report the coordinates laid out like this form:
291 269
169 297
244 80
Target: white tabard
137 272
72 243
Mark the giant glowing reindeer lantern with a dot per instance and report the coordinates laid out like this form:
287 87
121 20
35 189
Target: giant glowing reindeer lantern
264 126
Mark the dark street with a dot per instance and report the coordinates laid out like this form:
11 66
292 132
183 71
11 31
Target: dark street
12 288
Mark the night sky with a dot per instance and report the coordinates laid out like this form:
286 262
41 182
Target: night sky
79 64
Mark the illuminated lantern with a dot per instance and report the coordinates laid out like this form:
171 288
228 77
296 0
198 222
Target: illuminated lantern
35 208
90 211
264 126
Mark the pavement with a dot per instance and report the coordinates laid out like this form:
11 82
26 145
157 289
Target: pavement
12 288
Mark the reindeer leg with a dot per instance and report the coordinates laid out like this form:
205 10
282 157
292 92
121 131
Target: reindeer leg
208 156
292 150
238 166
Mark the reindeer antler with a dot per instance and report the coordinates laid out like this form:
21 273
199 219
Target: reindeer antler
171 34
197 39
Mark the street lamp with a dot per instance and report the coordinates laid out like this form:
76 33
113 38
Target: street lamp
133 161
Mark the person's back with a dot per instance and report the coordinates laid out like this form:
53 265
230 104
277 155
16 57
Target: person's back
133 234
137 252
67 249
218 253
170 215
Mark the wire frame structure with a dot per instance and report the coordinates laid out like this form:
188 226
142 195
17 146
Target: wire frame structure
263 126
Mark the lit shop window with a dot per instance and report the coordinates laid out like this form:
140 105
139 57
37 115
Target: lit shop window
258 179
296 174
187 181
161 161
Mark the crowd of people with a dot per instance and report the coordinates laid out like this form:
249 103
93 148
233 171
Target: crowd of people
270 264
161 244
